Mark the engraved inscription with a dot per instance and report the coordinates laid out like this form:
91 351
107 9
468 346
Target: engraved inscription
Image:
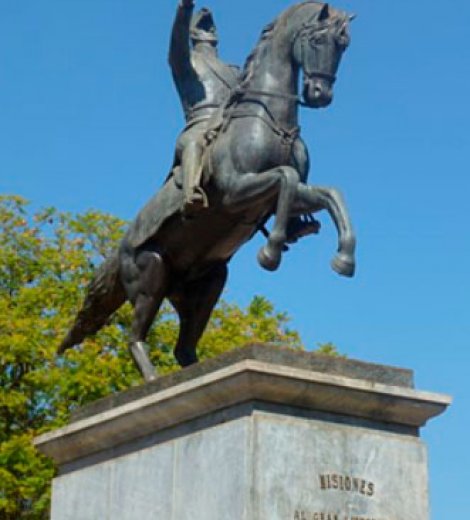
321 515
345 483
304 515
348 483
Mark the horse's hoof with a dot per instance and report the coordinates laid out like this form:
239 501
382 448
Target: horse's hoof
186 359
150 377
138 351
267 261
344 265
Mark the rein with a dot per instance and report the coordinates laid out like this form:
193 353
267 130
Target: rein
288 135
239 92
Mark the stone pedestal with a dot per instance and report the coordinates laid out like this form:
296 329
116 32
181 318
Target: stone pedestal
260 433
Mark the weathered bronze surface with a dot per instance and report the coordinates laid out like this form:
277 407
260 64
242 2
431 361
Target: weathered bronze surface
239 161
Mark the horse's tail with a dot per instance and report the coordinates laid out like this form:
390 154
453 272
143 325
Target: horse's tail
104 296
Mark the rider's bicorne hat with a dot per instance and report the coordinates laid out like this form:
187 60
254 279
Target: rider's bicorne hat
203 27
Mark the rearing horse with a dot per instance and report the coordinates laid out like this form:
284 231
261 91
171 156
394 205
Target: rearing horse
254 168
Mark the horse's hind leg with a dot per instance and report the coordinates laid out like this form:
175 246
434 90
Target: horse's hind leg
194 302
146 290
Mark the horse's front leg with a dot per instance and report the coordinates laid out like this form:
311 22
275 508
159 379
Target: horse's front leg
311 199
251 189
269 256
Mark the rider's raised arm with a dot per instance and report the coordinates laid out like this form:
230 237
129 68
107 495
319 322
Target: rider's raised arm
180 52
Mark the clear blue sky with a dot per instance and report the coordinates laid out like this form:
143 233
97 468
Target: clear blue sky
88 119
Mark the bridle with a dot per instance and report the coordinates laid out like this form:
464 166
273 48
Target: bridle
242 94
304 33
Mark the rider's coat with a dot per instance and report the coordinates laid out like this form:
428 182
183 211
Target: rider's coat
204 84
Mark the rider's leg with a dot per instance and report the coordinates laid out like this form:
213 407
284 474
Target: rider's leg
191 164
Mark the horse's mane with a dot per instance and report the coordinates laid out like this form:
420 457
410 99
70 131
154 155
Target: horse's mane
253 58
266 35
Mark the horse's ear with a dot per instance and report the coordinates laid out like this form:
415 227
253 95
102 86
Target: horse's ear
352 17
324 13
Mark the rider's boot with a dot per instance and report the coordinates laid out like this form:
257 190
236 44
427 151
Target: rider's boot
195 199
299 227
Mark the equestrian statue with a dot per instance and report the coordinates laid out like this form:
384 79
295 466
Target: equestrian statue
239 161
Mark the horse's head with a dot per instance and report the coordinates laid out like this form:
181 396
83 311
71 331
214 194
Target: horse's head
318 47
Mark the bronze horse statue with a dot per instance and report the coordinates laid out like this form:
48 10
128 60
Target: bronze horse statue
255 166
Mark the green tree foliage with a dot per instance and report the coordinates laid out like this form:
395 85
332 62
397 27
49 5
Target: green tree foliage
329 349
46 261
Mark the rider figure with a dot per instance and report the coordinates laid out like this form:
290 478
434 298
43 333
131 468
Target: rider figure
204 84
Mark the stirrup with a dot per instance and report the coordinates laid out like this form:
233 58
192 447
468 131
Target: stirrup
205 200
196 203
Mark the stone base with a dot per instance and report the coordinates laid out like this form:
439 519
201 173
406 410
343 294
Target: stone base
248 438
